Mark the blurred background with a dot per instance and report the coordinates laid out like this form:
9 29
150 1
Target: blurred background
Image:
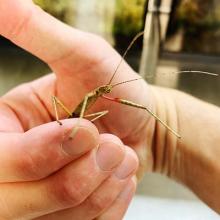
179 35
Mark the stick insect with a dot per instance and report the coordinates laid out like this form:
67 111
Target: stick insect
101 91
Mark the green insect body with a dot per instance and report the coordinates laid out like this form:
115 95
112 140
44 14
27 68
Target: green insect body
91 99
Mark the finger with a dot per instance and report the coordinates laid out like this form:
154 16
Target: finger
104 196
36 31
120 205
67 188
43 150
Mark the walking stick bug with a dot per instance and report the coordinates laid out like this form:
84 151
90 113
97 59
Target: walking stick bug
101 91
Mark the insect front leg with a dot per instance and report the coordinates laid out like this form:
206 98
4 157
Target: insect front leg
57 102
82 112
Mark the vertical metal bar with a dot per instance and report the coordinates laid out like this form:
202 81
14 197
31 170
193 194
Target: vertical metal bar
154 32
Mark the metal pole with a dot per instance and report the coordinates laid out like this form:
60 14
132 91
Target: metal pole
154 32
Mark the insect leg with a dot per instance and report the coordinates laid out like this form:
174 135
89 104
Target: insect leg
130 103
97 115
83 109
57 102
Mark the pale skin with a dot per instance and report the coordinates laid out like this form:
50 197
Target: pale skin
82 62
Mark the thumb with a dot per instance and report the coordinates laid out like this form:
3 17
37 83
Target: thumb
36 31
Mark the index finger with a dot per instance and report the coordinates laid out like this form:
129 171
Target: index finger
28 26
43 150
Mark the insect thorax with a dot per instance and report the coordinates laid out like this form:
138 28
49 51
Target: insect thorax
105 89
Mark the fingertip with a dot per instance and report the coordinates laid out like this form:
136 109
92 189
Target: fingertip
69 124
110 153
106 137
121 203
128 191
55 132
134 181
129 165
134 156
86 136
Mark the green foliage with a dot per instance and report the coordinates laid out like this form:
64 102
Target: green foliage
200 20
128 17
203 13
57 8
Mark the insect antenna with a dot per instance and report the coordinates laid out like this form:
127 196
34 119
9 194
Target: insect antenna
127 81
196 71
125 53
184 71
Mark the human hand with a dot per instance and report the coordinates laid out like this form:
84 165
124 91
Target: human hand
81 62
45 175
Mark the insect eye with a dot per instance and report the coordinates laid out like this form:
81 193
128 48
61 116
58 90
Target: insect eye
108 90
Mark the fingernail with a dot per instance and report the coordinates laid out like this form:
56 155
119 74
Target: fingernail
109 155
128 165
82 142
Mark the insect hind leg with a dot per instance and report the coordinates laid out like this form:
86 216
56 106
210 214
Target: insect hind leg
135 105
96 115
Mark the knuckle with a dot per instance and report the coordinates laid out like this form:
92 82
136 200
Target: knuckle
69 192
29 167
98 203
